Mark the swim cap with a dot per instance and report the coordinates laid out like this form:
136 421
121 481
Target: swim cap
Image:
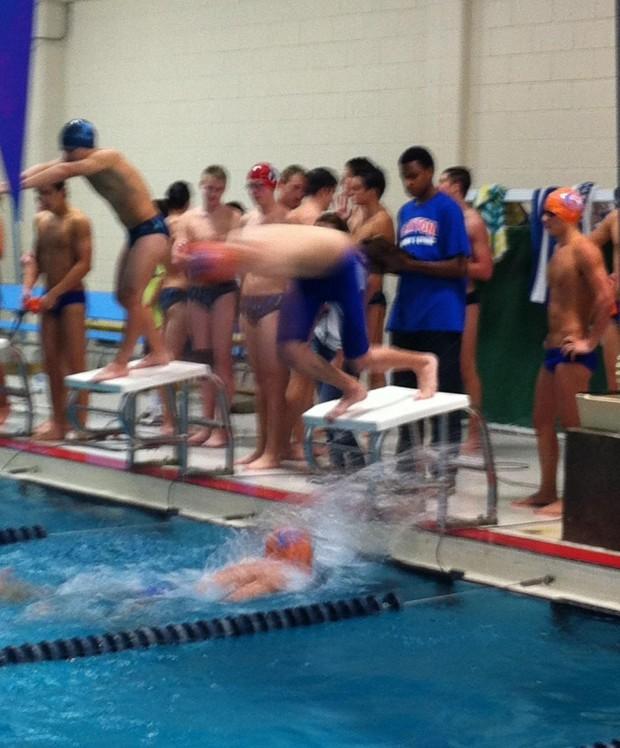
78 133
566 204
264 173
290 544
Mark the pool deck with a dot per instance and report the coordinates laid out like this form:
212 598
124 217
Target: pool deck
523 552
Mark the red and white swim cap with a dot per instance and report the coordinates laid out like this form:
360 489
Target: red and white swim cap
264 173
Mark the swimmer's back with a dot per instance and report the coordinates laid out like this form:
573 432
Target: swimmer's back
120 183
304 238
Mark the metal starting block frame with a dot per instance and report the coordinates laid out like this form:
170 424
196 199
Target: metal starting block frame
12 354
176 379
386 408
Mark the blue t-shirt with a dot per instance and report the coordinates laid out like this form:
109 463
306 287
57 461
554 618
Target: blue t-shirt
430 231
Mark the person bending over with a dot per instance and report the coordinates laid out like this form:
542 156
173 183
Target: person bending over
324 268
123 187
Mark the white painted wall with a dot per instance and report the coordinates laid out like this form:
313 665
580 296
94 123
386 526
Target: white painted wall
520 90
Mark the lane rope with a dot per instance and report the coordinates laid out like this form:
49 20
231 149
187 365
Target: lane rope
197 631
10 535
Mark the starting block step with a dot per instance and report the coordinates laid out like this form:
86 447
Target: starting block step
139 380
385 408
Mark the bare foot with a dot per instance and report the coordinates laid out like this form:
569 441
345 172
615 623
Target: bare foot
5 409
294 453
427 377
264 462
535 500
113 370
152 359
552 510
54 433
217 439
249 458
45 426
199 437
356 394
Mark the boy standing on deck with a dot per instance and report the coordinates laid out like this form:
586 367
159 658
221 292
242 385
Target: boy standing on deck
578 312
428 313
124 188
63 250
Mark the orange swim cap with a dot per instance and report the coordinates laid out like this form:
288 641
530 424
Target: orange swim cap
566 204
291 545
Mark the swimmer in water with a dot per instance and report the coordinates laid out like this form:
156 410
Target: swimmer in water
285 567
13 590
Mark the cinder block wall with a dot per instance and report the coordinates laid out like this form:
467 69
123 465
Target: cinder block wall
542 92
520 90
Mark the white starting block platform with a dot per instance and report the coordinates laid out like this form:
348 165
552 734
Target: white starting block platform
139 380
175 379
386 408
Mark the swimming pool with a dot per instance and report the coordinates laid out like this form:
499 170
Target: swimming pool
461 665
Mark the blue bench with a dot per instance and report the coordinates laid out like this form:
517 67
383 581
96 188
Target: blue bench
105 317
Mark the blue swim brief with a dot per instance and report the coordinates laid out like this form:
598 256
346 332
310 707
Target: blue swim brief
155 225
554 356
344 286
77 296
170 296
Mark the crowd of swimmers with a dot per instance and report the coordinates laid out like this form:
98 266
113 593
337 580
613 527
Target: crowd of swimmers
300 274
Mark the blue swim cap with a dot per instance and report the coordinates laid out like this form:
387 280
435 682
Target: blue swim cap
78 133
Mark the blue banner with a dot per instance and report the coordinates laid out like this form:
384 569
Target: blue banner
16 17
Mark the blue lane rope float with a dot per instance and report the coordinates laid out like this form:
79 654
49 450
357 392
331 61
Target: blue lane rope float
10 535
201 630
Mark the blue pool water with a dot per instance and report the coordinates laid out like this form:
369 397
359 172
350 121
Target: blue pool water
461 665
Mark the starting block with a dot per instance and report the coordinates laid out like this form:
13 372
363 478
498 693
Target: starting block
386 408
175 378
11 355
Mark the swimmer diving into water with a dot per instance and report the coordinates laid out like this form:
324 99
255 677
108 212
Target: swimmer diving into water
324 268
123 187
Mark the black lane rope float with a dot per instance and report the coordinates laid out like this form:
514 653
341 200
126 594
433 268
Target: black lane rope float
10 535
612 744
197 631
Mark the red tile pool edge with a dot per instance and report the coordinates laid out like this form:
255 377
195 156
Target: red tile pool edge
581 554
221 484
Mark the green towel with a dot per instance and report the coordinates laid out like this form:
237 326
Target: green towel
489 203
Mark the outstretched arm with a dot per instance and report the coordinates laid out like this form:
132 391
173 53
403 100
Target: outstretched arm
455 267
59 171
38 168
